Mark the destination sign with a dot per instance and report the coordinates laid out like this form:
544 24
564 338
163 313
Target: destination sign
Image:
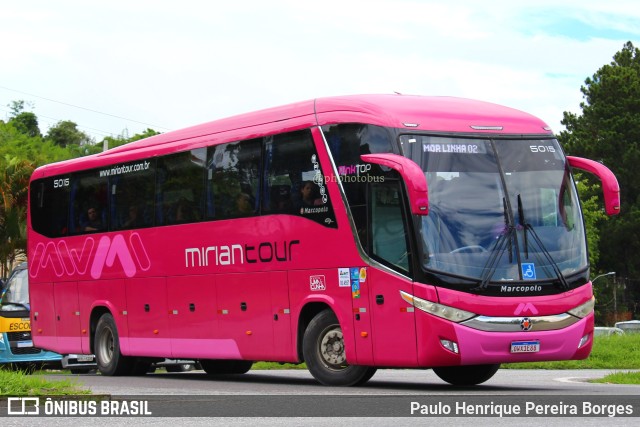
454 148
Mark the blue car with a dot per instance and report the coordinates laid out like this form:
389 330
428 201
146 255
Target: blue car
16 346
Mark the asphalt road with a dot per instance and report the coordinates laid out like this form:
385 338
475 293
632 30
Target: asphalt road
394 397
384 382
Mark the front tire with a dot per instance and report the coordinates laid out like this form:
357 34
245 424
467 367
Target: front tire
466 375
109 359
324 352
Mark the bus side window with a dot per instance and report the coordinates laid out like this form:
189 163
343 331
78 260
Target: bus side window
132 198
233 179
89 203
389 234
294 182
180 187
50 206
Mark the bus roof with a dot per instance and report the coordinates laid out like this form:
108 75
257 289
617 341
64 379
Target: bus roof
423 113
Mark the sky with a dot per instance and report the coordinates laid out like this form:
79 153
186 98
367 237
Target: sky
119 67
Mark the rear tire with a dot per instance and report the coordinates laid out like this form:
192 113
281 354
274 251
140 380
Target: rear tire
466 375
224 367
325 355
109 359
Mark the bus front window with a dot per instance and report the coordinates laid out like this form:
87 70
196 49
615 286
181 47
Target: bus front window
498 212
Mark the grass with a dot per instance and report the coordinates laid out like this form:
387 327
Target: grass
614 352
276 366
16 383
620 378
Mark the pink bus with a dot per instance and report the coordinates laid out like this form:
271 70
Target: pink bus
349 233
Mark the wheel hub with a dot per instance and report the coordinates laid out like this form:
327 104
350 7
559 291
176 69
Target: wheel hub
332 348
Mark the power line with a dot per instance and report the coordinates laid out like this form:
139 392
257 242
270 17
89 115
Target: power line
83 108
53 121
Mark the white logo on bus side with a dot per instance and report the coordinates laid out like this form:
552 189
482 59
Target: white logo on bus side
64 260
317 283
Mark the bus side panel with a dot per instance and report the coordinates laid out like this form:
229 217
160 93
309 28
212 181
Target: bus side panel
337 298
109 294
244 308
147 317
43 323
283 350
430 330
67 314
360 291
394 328
193 318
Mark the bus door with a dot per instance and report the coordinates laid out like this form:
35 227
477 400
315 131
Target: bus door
67 316
393 322
244 313
147 316
281 318
360 295
193 318
43 324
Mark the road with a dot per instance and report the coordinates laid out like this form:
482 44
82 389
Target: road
292 397
384 382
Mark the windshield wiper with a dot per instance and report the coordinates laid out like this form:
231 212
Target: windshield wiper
504 240
529 228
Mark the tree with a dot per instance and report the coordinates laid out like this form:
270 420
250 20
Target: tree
66 133
593 216
26 123
17 107
14 182
608 130
122 139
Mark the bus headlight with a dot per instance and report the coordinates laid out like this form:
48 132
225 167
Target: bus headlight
440 310
583 310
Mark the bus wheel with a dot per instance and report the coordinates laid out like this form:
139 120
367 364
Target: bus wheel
222 367
324 352
107 348
466 375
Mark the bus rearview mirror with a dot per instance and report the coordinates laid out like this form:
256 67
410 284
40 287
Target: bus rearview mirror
610 186
411 173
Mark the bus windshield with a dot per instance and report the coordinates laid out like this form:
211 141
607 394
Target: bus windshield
500 211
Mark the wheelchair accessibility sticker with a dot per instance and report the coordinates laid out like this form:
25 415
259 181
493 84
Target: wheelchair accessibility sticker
528 271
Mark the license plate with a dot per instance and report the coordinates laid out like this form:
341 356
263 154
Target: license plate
525 346
85 358
24 344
